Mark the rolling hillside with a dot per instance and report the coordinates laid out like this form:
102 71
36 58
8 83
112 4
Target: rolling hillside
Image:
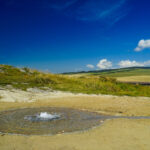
132 71
95 83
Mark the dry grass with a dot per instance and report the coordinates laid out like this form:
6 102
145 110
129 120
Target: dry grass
116 134
27 78
134 79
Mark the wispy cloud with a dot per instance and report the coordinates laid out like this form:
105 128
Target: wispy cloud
86 10
112 9
107 11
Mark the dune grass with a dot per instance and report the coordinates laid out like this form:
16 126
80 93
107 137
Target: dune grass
26 78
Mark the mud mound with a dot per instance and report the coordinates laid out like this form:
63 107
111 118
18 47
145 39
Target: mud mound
45 121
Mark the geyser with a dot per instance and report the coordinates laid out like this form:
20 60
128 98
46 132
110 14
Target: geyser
43 116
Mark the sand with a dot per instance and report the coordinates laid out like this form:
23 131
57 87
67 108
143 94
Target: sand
35 94
113 134
118 134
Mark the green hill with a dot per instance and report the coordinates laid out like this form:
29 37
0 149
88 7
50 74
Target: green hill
26 78
132 71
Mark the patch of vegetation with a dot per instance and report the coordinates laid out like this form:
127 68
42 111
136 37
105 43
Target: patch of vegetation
26 78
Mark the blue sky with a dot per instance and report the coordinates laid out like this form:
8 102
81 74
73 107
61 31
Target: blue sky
74 35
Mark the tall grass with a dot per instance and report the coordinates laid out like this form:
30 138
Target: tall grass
27 78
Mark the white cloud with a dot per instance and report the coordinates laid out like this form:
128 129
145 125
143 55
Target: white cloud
143 44
104 64
128 63
90 66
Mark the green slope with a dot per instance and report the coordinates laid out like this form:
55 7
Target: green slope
27 78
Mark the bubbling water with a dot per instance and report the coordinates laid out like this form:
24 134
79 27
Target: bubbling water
43 116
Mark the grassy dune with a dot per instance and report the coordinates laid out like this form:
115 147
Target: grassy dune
26 78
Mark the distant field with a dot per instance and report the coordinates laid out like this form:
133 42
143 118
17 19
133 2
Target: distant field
117 72
124 75
134 79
